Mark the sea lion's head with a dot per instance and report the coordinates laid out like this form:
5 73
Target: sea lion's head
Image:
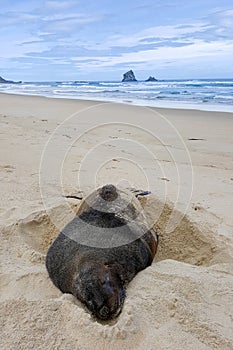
100 288
108 193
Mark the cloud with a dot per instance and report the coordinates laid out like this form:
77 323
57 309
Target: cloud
60 5
226 19
39 31
222 20
42 22
67 23
197 49
13 18
154 37
158 33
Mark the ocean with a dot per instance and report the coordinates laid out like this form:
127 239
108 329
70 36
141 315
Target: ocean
216 95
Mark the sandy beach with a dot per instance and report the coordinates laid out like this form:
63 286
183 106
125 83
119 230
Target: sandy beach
51 148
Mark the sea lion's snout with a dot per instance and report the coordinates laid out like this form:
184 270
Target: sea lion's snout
111 308
101 289
113 294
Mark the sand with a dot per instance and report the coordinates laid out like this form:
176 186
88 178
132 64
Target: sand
51 148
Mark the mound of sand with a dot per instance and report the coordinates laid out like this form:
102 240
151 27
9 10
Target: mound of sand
183 301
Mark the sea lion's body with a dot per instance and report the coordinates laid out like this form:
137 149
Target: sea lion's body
98 275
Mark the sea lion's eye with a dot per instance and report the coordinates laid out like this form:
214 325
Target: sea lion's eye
90 305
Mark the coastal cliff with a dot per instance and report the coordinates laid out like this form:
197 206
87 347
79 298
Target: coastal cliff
3 81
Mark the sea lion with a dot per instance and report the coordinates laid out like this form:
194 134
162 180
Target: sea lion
100 251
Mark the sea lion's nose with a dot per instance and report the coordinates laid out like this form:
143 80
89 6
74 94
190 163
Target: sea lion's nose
104 312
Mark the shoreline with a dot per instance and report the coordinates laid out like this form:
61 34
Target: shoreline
182 106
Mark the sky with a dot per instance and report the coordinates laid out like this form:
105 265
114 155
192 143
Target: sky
56 40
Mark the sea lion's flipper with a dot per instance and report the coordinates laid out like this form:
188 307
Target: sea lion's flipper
144 193
138 193
75 195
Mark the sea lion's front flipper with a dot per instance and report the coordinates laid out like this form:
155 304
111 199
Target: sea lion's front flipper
144 193
138 193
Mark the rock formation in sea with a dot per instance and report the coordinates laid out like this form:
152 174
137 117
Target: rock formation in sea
129 76
3 81
151 79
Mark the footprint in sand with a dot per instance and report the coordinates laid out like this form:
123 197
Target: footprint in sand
7 168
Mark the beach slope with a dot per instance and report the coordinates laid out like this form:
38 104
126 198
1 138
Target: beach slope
52 148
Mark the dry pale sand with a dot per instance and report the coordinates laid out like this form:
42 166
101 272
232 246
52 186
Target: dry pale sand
51 148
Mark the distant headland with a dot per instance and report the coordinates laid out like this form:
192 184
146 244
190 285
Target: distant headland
4 81
130 76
